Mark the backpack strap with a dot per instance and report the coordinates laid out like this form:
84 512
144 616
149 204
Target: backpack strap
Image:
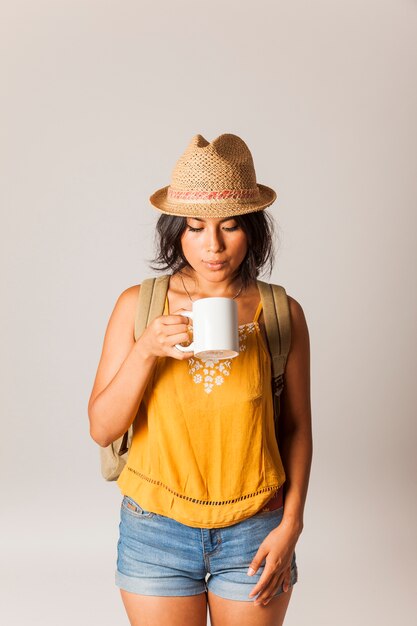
151 302
277 323
278 329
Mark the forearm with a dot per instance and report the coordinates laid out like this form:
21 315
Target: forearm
296 449
115 408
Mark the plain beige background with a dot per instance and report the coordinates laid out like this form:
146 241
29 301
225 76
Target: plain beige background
98 101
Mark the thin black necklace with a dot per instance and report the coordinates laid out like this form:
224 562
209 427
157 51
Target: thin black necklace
238 293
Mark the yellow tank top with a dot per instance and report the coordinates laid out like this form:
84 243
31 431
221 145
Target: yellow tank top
203 448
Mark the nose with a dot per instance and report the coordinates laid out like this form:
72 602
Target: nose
214 241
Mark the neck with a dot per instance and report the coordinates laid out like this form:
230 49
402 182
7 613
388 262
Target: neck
200 287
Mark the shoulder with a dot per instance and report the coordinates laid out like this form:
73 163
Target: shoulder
299 328
128 297
296 311
127 302
123 313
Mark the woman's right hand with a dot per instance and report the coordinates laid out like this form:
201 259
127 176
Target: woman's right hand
160 337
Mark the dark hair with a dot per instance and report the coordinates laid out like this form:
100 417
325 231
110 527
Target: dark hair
259 229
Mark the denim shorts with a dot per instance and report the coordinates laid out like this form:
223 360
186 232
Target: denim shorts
159 556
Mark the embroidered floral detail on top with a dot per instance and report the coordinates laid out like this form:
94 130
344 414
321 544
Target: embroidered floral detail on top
213 372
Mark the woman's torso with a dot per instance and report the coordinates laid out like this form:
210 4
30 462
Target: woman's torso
204 449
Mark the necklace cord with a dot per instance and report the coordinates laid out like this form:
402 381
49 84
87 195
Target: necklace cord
186 291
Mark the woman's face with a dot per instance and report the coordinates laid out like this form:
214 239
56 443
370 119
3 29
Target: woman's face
220 241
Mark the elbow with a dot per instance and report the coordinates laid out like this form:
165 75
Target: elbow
99 438
96 433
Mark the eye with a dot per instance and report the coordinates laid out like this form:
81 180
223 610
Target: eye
196 230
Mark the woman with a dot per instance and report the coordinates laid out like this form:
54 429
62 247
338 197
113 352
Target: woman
203 488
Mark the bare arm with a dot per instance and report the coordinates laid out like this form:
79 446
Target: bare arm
295 430
126 366
296 448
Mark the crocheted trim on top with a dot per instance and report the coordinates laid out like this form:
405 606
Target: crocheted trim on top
213 372
206 502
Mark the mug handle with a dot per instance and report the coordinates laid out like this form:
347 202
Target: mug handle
189 348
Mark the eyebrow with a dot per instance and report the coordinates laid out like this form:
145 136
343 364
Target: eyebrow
226 219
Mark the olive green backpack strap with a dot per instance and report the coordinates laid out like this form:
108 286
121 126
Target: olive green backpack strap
277 321
150 304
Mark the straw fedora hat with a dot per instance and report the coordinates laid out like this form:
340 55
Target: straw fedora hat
214 179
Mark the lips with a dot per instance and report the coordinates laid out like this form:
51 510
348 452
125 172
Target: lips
215 264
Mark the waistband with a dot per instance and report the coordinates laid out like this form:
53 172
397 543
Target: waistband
275 502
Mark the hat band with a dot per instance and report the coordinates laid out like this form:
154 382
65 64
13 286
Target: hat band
207 196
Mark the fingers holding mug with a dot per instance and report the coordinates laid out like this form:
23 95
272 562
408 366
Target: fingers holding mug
187 350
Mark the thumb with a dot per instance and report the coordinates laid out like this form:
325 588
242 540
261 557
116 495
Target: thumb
256 562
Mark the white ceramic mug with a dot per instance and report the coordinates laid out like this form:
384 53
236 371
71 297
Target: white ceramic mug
215 329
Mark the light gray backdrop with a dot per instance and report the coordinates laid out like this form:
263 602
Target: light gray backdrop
98 101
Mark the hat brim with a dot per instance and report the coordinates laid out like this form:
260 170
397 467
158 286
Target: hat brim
222 208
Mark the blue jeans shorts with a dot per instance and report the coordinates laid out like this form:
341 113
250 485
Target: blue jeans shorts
159 556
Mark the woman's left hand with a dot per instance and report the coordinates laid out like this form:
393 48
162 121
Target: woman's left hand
277 548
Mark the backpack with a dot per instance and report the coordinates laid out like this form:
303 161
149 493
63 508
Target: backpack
151 302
